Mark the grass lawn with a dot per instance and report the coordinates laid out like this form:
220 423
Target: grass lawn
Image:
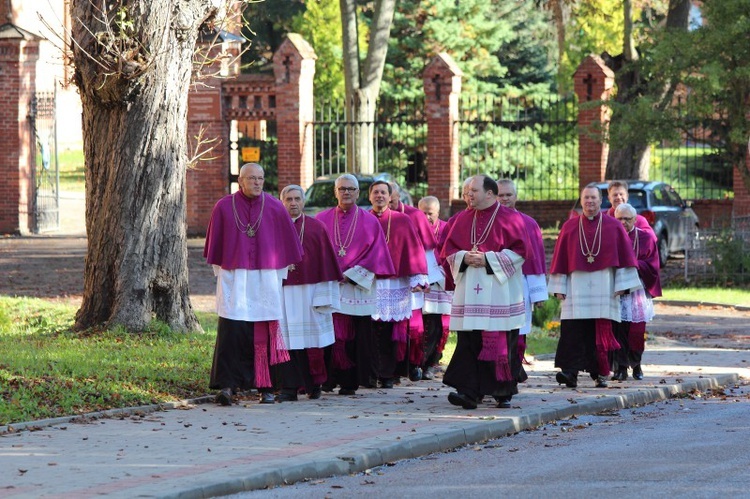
726 296
72 172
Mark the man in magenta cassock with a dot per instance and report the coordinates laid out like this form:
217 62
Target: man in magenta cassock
394 294
251 242
485 249
311 296
593 264
363 257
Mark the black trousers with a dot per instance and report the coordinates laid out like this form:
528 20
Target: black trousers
359 351
474 377
234 356
576 349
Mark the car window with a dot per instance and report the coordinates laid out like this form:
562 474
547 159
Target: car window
637 199
660 199
320 195
605 200
675 198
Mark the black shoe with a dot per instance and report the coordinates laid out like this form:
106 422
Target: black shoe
286 396
502 402
601 382
621 374
428 374
328 388
415 374
637 372
315 393
224 397
347 391
461 400
267 398
386 383
567 379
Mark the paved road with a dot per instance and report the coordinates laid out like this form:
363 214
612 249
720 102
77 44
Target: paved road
689 447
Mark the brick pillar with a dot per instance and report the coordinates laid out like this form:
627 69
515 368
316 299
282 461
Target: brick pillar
593 82
19 52
207 180
442 89
741 205
294 69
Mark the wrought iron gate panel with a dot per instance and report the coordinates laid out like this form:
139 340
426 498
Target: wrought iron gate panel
532 141
45 172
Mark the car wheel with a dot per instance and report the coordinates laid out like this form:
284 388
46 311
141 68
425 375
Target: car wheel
663 247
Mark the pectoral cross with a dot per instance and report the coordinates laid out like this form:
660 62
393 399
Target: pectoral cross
342 252
292 268
477 289
474 248
250 232
590 259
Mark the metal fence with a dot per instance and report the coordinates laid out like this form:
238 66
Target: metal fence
720 256
695 164
45 173
399 140
532 141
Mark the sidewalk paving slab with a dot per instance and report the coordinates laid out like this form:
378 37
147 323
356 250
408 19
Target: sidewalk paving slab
201 449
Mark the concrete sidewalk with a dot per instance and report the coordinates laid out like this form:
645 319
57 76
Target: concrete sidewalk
204 450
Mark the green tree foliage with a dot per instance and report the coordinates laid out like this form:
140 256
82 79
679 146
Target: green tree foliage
320 25
711 64
265 25
594 26
497 45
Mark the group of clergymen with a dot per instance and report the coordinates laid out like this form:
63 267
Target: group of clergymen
355 298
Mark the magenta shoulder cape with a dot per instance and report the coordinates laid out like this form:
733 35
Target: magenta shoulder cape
421 224
616 249
507 232
319 262
648 260
535 263
275 245
366 247
404 245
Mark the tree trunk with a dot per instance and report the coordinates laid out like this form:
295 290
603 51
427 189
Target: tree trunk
133 76
363 84
633 160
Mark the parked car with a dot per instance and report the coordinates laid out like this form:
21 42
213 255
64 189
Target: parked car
673 220
320 195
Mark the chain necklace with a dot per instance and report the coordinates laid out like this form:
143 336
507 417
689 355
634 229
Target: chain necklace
636 242
436 228
343 245
475 243
293 267
588 252
248 229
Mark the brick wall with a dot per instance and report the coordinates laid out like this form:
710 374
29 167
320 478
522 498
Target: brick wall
17 79
593 81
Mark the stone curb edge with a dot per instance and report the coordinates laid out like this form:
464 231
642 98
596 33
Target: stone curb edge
420 445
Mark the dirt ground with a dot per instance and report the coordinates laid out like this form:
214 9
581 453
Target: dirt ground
52 267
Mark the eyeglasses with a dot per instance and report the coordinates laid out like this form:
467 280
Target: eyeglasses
625 219
253 178
347 189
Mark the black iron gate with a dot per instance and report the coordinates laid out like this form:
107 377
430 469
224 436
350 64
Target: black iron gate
45 173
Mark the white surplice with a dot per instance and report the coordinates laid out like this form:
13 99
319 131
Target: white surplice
249 295
591 295
488 302
308 322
